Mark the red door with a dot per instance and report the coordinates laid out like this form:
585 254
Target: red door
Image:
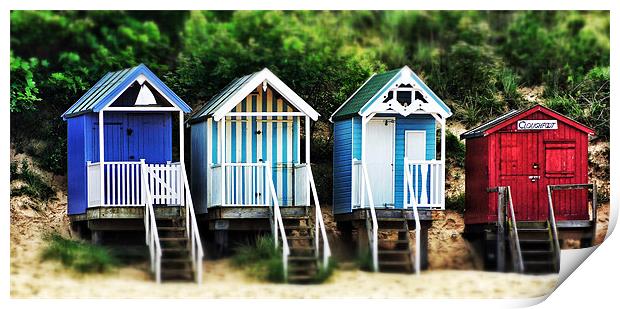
560 167
519 168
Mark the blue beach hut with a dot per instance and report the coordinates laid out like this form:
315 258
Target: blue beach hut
122 169
385 162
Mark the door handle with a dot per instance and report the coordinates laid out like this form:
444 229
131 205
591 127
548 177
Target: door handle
534 178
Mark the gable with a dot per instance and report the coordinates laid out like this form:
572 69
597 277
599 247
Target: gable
239 89
114 84
399 90
536 112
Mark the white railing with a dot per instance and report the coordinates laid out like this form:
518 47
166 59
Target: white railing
512 224
356 183
191 228
245 184
374 228
427 186
278 223
93 174
319 225
150 227
165 183
215 184
409 189
121 183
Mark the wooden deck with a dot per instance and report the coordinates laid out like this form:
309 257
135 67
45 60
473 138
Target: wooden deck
362 214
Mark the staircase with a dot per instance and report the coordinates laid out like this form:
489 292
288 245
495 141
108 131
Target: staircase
395 254
303 261
537 247
176 260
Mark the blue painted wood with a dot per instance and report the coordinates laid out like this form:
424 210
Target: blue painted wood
357 137
77 198
342 165
412 122
199 166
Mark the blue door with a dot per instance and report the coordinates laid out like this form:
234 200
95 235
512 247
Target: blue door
148 137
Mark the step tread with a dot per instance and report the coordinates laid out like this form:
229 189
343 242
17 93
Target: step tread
171 228
178 249
297 227
398 241
301 258
172 238
298 237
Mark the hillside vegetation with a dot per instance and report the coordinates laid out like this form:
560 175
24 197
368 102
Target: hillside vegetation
481 63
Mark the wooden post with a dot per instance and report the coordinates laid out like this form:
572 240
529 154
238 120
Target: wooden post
223 160
501 233
424 226
362 184
308 137
101 158
443 163
594 214
181 158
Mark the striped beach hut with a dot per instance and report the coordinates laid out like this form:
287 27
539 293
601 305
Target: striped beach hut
249 168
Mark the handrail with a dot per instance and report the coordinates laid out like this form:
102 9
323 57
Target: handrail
278 224
375 225
416 216
191 229
150 226
513 224
319 224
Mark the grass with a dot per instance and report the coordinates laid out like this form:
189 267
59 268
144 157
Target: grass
364 260
78 255
35 186
261 259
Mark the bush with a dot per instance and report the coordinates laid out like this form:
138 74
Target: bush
35 186
78 255
261 259
456 202
455 150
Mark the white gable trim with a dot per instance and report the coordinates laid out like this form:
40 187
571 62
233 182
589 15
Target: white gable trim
141 78
265 77
376 105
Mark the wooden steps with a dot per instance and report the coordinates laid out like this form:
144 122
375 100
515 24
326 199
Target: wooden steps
395 254
537 251
302 261
176 262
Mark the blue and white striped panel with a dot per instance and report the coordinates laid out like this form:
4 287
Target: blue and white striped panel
259 139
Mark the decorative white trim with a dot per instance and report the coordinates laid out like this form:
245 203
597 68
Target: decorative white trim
262 78
416 106
266 114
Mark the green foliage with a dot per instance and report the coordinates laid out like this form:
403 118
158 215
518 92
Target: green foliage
325 273
586 101
456 202
24 91
35 186
455 150
77 255
261 259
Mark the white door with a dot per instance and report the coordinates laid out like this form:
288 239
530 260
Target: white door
380 160
415 145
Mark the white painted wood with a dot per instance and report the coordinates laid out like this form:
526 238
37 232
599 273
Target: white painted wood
101 156
415 145
380 160
222 143
418 177
145 96
356 184
275 83
443 163
308 138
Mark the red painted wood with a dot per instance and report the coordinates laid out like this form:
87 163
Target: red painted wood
507 156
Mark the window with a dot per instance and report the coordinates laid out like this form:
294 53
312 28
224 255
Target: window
560 159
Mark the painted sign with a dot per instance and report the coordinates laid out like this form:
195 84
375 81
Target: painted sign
537 125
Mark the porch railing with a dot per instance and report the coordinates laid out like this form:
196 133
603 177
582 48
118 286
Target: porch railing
356 183
120 183
277 222
409 190
426 179
191 228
